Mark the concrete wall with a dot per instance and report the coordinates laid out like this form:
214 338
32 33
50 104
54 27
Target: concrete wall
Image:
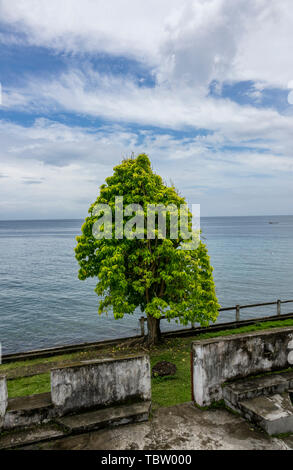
220 359
3 397
101 383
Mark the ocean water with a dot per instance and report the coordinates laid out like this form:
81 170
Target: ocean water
43 304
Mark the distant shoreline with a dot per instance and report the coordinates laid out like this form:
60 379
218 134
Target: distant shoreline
269 216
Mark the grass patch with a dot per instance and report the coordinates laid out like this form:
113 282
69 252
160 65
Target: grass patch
171 390
247 329
29 385
166 391
42 360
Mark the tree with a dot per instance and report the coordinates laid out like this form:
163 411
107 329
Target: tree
153 273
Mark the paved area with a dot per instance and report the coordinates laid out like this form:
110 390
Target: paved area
181 427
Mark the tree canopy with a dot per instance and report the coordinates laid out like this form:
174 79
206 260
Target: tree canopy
154 274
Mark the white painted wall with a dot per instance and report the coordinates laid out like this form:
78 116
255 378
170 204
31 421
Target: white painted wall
218 360
102 382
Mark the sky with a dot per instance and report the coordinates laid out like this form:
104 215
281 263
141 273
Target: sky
204 87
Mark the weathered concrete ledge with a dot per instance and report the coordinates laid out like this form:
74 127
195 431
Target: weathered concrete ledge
272 413
29 411
101 382
86 385
248 388
3 398
221 359
264 400
32 435
77 424
104 417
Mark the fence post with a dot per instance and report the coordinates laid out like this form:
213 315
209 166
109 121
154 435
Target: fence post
278 307
237 313
141 320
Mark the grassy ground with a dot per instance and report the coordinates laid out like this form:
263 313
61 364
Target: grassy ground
28 385
32 376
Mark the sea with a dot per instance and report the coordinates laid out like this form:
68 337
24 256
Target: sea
44 304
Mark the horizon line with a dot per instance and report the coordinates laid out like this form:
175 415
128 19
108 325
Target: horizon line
83 218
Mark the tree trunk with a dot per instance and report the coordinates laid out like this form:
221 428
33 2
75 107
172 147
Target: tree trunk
154 332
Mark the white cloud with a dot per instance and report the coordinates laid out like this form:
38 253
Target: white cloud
191 40
121 27
57 169
265 51
121 99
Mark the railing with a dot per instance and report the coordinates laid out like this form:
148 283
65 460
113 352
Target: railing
72 348
237 309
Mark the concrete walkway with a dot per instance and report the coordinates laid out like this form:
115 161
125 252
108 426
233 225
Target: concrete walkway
181 427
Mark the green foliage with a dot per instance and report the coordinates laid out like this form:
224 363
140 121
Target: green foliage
153 274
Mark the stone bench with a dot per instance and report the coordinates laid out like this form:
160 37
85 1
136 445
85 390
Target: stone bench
101 383
120 386
218 360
